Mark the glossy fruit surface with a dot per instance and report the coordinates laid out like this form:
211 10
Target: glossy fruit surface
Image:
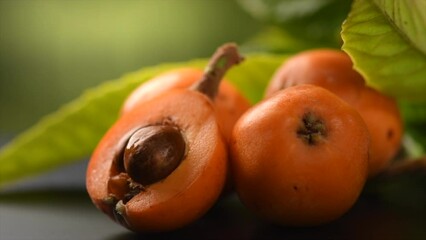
189 191
163 164
332 70
383 119
300 158
229 103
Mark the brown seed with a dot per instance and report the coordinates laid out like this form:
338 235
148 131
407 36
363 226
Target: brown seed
153 152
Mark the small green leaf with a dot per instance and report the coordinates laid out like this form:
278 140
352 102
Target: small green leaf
386 44
72 133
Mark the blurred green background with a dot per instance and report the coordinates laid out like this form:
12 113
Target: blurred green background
51 50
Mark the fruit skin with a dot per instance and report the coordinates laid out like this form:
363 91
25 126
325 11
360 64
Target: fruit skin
191 189
229 103
332 70
283 179
384 122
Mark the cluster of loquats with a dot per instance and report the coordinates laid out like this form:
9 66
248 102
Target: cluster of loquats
300 157
309 147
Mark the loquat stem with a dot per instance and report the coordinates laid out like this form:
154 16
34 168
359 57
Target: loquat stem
224 58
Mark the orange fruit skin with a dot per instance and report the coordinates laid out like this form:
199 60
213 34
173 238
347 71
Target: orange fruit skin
330 69
191 189
384 122
333 70
283 179
229 103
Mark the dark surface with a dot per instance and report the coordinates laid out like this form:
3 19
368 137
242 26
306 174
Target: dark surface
56 206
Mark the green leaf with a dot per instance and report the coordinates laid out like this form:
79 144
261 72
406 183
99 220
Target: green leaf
386 44
409 17
72 133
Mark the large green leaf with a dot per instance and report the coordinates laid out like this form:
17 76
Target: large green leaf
409 17
386 40
71 133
